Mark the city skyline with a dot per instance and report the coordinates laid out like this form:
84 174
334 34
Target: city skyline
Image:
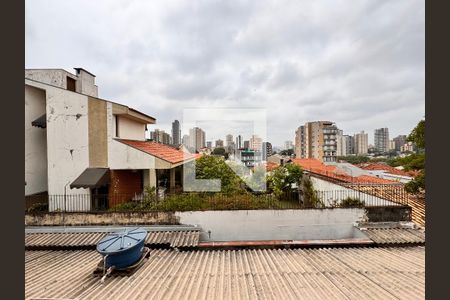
360 64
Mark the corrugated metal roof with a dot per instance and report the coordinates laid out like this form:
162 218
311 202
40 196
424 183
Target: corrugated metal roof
326 273
395 235
90 239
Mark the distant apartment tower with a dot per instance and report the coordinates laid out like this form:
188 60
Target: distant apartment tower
229 143
238 142
266 150
399 141
209 144
381 140
317 140
219 143
361 143
255 143
288 145
160 136
196 138
341 149
185 140
349 144
246 144
176 133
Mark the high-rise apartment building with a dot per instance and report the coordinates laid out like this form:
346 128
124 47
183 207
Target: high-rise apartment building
399 141
341 149
317 140
349 144
288 145
255 143
266 150
160 136
219 143
176 133
381 140
238 144
209 144
196 138
361 143
246 144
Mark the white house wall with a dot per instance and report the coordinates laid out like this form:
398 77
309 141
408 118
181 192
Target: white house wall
123 157
35 142
129 129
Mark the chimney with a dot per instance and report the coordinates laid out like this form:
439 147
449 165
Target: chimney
86 82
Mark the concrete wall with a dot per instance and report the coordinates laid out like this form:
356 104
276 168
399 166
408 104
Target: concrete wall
73 219
239 225
98 145
55 77
132 130
334 191
35 142
122 156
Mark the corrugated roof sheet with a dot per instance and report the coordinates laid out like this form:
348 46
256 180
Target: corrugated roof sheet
395 235
90 239
334 273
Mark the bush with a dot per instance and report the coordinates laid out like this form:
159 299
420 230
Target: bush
207 201
352 202
38 207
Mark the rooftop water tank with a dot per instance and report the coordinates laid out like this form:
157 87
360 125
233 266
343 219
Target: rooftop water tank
122 249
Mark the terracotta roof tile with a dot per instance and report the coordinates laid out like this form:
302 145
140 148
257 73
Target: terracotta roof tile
164 152
387 168
316 166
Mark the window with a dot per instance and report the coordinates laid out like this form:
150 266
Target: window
116 126
70 85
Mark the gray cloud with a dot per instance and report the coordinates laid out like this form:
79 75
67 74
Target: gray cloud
358 63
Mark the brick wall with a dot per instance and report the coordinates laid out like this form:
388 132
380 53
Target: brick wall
124 184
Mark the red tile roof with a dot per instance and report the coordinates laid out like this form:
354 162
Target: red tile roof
270 166
387 168
316 166
164 152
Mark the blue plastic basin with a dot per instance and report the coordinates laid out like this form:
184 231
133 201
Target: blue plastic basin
124 248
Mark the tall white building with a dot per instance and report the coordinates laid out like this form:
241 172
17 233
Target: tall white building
197 138
255 143
361 143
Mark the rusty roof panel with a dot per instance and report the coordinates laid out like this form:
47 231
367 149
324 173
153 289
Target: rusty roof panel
324 273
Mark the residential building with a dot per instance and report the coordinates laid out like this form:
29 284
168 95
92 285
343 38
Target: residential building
239 142
349 144
246 144
250 158
381 140
341 143
391 145
196 138
209 144
78 143
317 140
176 133
219 143
229 143
407 147
361 141
288 145
266 150
255 143
185 140
399 141
160 136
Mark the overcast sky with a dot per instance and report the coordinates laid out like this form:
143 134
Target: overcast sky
358 63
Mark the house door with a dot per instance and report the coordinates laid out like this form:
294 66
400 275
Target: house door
99 199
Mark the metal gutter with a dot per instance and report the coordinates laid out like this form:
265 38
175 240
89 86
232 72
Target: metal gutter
332 242
81 229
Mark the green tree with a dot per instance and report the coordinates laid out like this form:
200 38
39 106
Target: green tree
417 135
284 177
214 167
220 151
354 159
416 161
